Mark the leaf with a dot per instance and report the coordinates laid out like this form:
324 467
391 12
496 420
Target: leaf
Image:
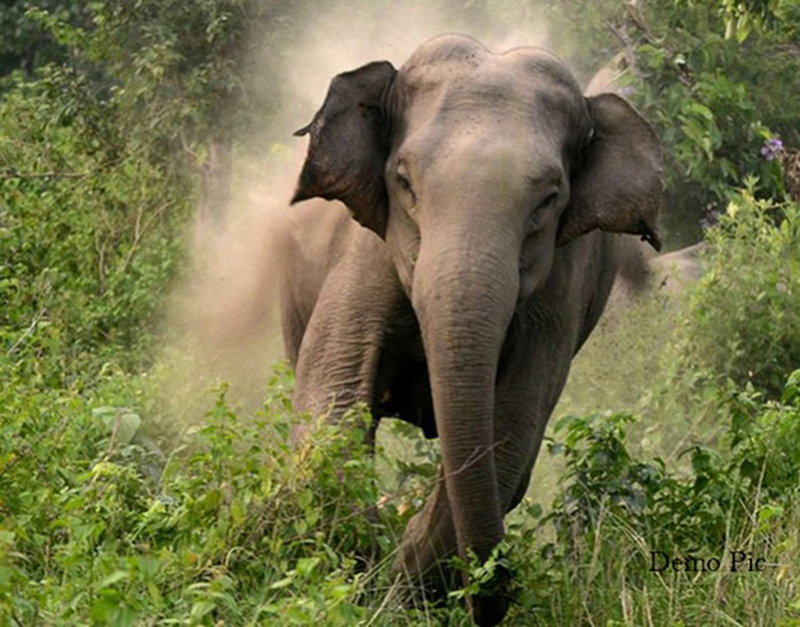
125 421
282 583
201 608
306 565
128 426
305 498
768 512
115 577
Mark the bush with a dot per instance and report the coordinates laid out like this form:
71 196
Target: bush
743 322
89 237
760 469
614 512
237 526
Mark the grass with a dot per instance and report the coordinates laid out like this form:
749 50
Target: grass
237 526
122 503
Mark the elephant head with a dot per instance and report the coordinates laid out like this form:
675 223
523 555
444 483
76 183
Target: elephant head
475 168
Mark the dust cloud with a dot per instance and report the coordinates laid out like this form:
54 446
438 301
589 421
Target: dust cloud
223 321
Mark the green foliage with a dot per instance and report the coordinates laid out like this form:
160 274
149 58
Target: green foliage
744 317
715 101
410 472
741 16
88 238
25 46
712 132
761 469
238 526
614 511
186 77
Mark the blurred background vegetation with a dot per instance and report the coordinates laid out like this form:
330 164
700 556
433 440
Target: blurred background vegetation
121 122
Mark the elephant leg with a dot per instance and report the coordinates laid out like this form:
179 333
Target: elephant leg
429 539
345 355
530 382
294 321
342 352
529 385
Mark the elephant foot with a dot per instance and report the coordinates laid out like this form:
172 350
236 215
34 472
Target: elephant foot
422 558
428 543
489 606
430 585
487 611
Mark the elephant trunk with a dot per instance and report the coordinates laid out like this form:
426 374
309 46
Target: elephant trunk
464 297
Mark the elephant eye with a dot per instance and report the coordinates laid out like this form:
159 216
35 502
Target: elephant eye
549 201
405 185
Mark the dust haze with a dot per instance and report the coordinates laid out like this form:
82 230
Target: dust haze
223 321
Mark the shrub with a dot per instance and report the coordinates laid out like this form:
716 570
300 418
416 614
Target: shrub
744 317
89 238
237 527
614 511
759 470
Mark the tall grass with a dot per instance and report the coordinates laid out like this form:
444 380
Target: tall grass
240 526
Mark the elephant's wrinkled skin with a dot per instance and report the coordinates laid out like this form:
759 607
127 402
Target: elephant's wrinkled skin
494 196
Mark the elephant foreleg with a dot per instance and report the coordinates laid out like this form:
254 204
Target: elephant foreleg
341 352
528 388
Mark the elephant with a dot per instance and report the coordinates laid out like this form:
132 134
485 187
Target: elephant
489 207
669 277
678 269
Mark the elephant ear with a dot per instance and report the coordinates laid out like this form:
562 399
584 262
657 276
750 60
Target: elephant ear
349 145
618 187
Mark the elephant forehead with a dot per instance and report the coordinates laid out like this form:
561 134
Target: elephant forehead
537 63
524 81
444 57
489 109
459 59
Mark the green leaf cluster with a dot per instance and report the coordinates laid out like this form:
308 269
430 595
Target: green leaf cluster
703 510
235 525
743 321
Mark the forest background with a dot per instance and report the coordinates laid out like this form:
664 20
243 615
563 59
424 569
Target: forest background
145 475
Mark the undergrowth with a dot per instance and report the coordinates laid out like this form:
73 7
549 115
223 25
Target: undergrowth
241 523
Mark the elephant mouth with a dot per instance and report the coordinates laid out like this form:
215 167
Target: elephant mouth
408 397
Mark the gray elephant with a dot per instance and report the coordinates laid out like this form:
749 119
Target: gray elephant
678 269
493 196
